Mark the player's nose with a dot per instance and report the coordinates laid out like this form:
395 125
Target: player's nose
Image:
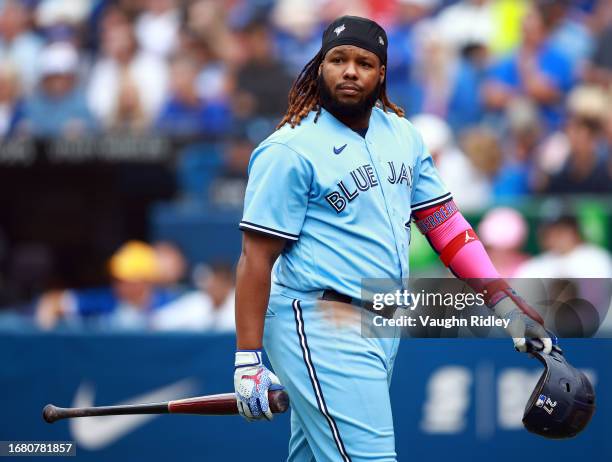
350 71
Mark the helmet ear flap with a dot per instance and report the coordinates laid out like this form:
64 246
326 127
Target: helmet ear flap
563 401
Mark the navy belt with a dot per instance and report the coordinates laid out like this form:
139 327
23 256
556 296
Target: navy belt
333 296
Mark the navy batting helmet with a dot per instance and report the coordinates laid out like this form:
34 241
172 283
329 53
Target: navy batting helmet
563 401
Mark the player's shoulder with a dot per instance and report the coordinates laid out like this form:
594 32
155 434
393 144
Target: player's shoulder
296 139
286 147
289 136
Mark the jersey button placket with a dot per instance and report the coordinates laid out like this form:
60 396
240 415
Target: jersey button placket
391 215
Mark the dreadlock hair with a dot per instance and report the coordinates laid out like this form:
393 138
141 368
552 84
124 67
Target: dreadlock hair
304 95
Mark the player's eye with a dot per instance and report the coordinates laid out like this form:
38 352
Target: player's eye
366 64
336 59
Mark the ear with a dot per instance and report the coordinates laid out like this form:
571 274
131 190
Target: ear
320 69
382 73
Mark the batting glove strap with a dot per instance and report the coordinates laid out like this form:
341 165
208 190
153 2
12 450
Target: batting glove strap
247 358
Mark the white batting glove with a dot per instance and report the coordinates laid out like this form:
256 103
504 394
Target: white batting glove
252 380
525 322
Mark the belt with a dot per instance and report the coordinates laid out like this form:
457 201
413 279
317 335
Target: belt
333 296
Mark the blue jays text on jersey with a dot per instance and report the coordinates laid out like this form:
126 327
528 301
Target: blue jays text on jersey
342 199
364 178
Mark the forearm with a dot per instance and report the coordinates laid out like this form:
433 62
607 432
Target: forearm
252 297
252 379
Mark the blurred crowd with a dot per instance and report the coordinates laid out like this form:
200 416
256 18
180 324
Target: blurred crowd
513 99
513 95
149 291
152 286
565 250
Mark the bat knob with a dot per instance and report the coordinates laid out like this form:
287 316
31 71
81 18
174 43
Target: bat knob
50 413
279 401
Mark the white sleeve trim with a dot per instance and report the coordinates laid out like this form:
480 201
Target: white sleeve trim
267 230
430 202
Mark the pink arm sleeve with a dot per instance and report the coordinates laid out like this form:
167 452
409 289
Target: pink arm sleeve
459 248
471 261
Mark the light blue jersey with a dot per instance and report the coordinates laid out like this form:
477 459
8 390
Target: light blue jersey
342 200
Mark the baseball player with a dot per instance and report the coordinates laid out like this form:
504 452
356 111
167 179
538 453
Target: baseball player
329 201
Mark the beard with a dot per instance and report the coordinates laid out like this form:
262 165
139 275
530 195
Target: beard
340 109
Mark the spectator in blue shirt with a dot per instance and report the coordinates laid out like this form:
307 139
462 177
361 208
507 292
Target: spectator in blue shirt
536 70
297 32
59 107
569 36
402 43
186 113
521 142
465 106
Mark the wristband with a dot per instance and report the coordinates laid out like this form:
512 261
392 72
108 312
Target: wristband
246 358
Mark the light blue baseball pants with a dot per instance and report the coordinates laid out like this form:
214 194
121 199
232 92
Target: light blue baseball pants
337 380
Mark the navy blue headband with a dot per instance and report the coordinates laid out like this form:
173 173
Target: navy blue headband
360 32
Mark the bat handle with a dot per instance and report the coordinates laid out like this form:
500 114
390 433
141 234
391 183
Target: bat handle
53 413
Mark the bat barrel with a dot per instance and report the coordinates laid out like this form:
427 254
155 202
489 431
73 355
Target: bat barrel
224 404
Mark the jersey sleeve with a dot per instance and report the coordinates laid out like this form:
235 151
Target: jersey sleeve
277 192
428 189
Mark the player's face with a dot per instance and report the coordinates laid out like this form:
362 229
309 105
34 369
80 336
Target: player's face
350 79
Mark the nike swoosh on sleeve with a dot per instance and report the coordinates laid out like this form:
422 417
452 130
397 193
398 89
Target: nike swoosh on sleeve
95 433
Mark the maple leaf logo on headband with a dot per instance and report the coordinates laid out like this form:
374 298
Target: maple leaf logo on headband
339 29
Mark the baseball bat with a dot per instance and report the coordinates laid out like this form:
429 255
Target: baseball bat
223 404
